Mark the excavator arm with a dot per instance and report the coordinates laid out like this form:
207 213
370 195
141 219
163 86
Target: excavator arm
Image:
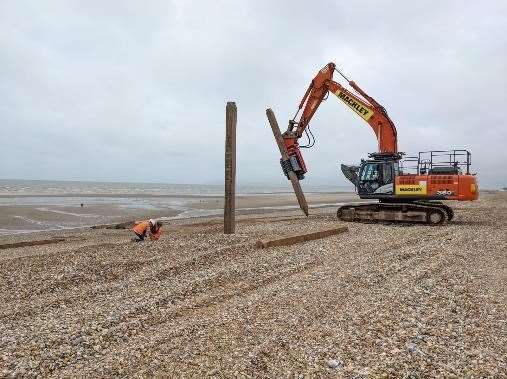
361 103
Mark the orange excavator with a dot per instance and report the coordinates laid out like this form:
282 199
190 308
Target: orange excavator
407 188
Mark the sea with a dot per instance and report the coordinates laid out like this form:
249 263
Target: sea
38 205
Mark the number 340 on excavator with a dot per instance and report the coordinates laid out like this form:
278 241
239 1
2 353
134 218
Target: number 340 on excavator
407 188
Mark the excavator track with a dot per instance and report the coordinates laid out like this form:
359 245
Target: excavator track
448 210
424 213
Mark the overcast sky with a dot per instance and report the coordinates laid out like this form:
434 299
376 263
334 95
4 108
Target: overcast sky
136 90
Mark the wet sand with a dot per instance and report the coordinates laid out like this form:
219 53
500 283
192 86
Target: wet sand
70 214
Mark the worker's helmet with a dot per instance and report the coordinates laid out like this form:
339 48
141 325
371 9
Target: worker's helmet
152 222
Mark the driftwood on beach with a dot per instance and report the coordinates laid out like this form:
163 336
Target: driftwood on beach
300 237
122 225
30 243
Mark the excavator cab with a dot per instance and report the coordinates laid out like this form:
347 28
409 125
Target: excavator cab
375 177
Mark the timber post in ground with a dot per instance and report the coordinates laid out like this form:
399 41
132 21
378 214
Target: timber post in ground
230 169
285 156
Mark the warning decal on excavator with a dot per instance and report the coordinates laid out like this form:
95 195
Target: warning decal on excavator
358 107
411 189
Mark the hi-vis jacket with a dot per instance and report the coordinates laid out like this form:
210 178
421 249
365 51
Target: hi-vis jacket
141 227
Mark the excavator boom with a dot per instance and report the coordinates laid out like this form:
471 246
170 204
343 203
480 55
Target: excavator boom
361 103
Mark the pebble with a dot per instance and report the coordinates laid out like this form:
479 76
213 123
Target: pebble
333 363
411 347
78 340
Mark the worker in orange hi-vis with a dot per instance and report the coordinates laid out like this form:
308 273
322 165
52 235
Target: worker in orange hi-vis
142 228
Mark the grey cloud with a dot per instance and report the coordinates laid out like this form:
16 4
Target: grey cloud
95 90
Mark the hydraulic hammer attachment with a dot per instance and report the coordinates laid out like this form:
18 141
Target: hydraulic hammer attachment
295 161
292 164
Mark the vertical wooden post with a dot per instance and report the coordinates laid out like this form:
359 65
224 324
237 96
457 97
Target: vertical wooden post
230 168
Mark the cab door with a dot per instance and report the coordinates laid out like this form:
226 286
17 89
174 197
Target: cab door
376 178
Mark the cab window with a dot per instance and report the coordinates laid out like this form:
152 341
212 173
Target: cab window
387 174
370 172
